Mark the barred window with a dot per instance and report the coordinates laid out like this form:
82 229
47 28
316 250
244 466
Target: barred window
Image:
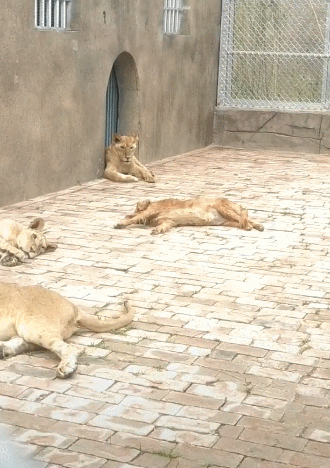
172 16
52 14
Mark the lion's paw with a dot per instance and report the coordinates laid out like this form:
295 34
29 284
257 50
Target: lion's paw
64 371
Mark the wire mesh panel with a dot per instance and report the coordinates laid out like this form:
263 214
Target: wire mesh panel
275 54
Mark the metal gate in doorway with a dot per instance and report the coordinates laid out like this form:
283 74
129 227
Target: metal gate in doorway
112 103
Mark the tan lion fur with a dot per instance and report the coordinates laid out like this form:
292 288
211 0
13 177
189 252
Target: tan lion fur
121 164
18 242
204 211
32 316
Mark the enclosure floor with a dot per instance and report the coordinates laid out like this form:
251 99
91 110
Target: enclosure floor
227 361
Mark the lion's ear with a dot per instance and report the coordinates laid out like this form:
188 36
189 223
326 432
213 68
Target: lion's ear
135 135
116 138
37 223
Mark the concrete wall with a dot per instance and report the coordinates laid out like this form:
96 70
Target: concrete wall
53 88
298 131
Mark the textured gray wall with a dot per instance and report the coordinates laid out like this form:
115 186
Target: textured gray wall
297 131
53 87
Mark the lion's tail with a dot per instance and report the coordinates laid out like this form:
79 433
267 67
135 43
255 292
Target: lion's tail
99 324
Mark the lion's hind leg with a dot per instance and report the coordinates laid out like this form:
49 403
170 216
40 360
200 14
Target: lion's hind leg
67 353
15 346
247 223
41 336
257 226
163 225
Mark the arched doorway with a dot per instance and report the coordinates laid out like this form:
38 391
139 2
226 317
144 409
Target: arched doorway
122 98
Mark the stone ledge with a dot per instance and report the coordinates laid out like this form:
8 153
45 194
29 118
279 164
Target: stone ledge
303 132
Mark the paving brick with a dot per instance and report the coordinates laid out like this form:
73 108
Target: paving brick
121 424
12 390
194 400
26 420
318 448
249 449
224 390
274 426
108 451
150 460
257 463
72 402
187 437
209 456
48 439
303 460
275 440
144 444
69 459
81 431
44 384
275 374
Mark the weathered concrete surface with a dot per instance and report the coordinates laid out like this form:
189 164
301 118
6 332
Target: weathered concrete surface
227 362
288 131
53 89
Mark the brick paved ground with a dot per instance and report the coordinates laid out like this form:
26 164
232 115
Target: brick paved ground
227 363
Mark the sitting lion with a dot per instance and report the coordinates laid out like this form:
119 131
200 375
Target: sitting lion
171 212
32 316
18 242
121 164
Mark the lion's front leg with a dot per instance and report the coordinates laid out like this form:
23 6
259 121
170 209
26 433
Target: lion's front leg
136 219
15 346
11 256
112 174
141 172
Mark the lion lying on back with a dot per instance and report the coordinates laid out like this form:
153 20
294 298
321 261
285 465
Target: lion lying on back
121 164
18 243
165 214
32 316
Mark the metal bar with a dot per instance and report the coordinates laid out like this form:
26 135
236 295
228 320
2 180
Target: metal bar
49 13
226 44
285 54
35 12
172 16
42 13
36 9
262 104
166 17
57 14
325 79
63 15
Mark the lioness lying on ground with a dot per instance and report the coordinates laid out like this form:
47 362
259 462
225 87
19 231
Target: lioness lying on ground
32 316
165 214
18 242
121 164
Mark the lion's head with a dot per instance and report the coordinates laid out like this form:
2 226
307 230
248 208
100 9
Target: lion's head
125 146
32 241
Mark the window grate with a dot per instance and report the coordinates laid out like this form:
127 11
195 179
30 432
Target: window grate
52 14
172 16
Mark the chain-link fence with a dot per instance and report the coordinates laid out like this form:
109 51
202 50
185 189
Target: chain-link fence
275 54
